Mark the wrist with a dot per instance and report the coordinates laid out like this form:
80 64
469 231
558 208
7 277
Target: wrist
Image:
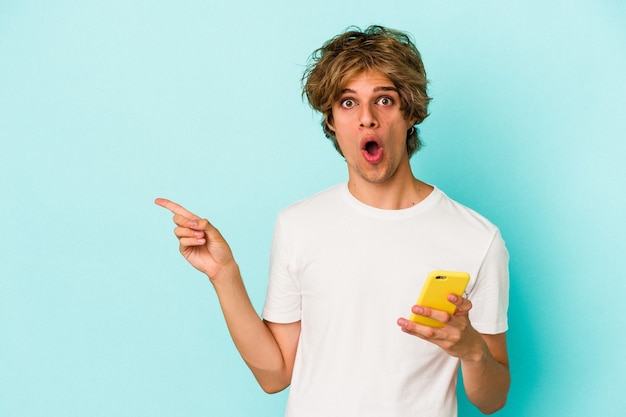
478 353
226 275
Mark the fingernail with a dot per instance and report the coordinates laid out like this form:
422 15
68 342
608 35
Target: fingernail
418 310
452 298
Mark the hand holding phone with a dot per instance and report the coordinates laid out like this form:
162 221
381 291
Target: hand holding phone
438 285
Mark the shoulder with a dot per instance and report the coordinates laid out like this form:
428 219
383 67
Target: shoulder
316 215
316 204
459 215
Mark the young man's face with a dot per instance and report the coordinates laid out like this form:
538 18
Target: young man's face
370 129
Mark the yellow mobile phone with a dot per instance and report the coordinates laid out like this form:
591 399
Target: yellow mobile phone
438 285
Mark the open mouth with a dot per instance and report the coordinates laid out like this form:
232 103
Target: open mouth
372 150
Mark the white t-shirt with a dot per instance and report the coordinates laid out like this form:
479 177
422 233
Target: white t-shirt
348 271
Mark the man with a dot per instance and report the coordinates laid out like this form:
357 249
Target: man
348 261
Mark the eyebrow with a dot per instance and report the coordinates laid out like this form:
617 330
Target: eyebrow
376 89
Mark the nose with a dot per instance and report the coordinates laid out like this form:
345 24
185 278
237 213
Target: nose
367 117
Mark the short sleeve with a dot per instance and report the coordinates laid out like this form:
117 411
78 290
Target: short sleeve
283 299
490 294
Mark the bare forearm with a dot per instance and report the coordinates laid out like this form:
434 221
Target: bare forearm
251 336
486 381
204 247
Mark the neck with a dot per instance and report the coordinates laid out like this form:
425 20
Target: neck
390 195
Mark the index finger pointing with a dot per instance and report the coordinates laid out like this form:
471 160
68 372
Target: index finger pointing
175 208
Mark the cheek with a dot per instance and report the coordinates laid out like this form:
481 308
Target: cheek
402 126
343 128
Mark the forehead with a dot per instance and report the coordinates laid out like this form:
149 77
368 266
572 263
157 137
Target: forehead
366 81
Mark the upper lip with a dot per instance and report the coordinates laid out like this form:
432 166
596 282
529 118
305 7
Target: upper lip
370 138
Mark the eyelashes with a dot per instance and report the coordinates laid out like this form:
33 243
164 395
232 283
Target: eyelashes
384 101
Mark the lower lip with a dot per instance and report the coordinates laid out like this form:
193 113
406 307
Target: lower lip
373 159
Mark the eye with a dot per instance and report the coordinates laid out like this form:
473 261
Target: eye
347 103
385 101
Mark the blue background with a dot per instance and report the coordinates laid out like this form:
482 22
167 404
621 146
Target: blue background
105 105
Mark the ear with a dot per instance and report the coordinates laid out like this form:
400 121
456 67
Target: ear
329 122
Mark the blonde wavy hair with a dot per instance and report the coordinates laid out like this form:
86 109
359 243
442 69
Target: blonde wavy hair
389 51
